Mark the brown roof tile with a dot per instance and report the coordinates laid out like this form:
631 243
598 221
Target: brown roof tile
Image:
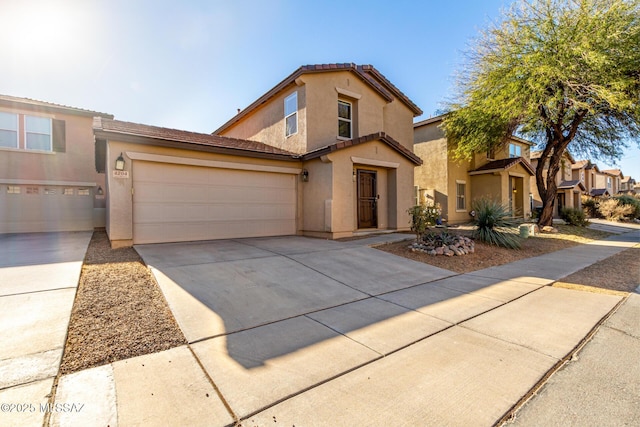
378 136
502 164
107 127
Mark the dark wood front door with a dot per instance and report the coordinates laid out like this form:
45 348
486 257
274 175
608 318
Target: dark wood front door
367 199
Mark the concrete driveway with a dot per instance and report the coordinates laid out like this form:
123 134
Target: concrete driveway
311 331
39 275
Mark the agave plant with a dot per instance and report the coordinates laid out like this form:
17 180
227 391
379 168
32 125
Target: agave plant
495 224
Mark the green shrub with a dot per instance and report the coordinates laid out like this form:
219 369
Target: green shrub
574 216
590 205
612 210
630 201
494 224
421 218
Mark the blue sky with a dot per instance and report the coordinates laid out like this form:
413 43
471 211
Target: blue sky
191 64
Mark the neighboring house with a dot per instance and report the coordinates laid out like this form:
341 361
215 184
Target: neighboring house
48 177
503 174
327 152
569 187
594 181
627 185
606 180
613 180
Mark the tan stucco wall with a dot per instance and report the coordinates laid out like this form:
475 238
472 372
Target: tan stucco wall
266 123
330 196
440 173
119 218
75 165
318 96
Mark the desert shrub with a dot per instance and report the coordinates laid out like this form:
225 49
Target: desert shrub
590 205
494 224
421 218
612 210
436 240
630 201
574 216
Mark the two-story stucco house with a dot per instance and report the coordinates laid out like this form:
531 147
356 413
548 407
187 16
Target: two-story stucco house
48 176
612 179
502 174
569 187
326 152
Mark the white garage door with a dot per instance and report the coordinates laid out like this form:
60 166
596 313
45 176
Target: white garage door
173 203
38 208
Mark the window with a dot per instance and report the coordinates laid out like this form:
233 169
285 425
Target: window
291 114
33 190
13 189
38 133
344 119
491 153
83 192
608 182
515 150
50 191
67 192
8 130
461 203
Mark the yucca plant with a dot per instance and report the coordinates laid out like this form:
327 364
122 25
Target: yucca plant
495 224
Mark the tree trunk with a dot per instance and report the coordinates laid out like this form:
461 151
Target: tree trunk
547 185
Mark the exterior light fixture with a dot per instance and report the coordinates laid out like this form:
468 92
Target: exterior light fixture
120 163
305 175
99 191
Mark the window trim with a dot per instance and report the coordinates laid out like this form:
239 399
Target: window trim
517 150
26 132
293 113
462 196
17 130
349 120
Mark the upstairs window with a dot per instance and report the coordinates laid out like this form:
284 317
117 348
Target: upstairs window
515 150
344 119
8 130
38 133
291 114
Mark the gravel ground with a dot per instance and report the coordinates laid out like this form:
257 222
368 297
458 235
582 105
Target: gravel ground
119 311
490 256
619 273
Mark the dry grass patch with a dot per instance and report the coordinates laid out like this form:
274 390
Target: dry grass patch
620 272
119 311
489 256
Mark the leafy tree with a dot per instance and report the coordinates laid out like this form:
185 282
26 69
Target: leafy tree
562 73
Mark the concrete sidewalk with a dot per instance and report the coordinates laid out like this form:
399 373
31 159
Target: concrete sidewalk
599 386
457 350
39 274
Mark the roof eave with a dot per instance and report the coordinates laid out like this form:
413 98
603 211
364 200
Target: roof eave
193 146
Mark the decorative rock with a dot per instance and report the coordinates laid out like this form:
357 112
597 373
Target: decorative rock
549 229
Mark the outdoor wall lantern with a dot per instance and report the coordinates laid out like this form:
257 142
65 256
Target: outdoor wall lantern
120 163
305 175
100 191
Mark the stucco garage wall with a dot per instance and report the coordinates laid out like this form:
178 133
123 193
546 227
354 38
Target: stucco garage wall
207 172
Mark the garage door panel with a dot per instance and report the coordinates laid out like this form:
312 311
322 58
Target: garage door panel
182 203
158 193
44 209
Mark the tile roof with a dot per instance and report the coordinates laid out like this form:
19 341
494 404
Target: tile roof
503 164
134 132
378 136
580 164
33 104
366 73
599 192
567 185
613 172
